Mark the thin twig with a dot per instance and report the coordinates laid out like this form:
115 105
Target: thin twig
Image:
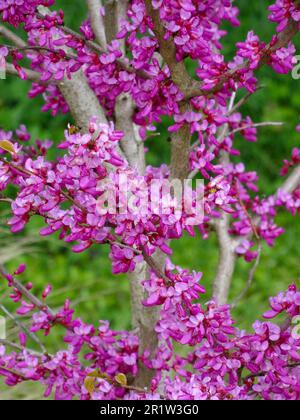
31 75
11 36
16 347
25 329
123 63
282 40
124 246
22 289
38 48
30 173
286 324
14 372
262 124
292 181
18 168
151 263
244 208
250 277
6 200
243 100
74 201
260 374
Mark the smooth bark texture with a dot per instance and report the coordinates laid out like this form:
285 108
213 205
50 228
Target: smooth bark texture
131 144
82 101
227 259
144 321
97 21
292 182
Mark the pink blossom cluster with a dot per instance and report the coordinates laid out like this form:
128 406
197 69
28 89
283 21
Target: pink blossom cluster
295 159
195 27
217 368
222 362
17 11
196 33
282 11
252 215
255 216
221 351
110 352
82 177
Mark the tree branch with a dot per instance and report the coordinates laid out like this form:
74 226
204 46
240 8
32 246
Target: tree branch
14 372
260 374
16 347
243 100
250 277
31 75
228 257
255 125
227 260
179 75
82 101
282 40
22 289
180 150
11 36
167 49
144 319
37 48
131 143
22 327
292 182
19 43
97 21
93 46
115 11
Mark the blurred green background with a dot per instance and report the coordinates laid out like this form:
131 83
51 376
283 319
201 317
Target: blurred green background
87 278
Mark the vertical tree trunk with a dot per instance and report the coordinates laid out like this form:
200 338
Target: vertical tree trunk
227 260
144 321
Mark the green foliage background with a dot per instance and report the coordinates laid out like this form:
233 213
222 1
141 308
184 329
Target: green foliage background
87 278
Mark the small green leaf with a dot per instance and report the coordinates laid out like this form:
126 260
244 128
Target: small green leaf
7 146
98 374
121 379
89 385
94 374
